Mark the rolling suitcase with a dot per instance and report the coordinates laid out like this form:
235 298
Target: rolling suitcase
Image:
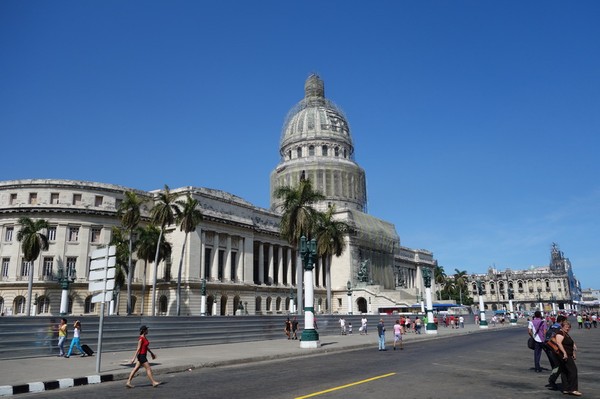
88 351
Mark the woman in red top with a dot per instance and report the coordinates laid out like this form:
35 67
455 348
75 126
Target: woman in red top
142 360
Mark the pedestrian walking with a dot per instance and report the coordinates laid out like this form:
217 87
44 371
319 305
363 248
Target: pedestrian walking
350 328
288 328
568 348
580 320
363 325
555 361
342 326
62 336
141 360
294 328
537 330
75 341
418 325
381 334
398 335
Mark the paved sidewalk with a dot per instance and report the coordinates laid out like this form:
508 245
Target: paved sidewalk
46 373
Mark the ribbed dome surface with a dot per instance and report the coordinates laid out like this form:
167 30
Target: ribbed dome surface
315 117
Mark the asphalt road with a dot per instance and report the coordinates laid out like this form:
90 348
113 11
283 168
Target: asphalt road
489 365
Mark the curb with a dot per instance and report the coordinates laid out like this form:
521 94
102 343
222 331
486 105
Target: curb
34 387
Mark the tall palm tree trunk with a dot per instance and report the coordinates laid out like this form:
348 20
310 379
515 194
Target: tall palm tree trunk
299 285
30 288
155 272
328 282
179 275
129 277
144 287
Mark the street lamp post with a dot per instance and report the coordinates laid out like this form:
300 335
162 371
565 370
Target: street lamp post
540 301
431 327
511 296
482 321
349 286
65 279
203 298
292 308
308 252
553 301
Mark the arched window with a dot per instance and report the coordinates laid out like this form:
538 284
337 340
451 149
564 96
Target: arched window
299 152
258 303
324 150
289 154
336 151
88 305
43 304
311 150
70 306
209 304
287 304
345 153
268 308
278 304
362 305
236 305
1 306
223 305
163 305
19 305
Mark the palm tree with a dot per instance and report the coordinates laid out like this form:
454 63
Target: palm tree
148 238
34 242
188 217
439 276
330 241
460 279
119 239
298 217
130 214
162 215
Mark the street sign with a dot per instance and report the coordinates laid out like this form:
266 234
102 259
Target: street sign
96 275
99 285
98 297
101 263
101 253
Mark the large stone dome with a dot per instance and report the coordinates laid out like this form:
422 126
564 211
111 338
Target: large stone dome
316 117
316 143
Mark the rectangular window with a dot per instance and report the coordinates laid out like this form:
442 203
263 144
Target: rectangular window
5 265
207 259
233 263
118 203
221 264
47 267
95 234
54 198
33 198
98 200
71 265
13 199
51 233
25 267
76 199
8 234
73 234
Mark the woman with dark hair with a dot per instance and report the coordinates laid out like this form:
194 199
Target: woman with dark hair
141 360
75 341
537 330
569 370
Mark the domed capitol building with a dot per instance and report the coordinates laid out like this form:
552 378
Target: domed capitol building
236 249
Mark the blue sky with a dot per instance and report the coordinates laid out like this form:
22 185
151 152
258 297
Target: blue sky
477 122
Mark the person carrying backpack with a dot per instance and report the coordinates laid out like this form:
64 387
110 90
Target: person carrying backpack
554 360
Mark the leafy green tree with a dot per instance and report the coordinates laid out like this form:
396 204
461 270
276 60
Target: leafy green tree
162 214
298 216
120 240
147 239
188 218
330 241
130 215
33 243
460 282
439 276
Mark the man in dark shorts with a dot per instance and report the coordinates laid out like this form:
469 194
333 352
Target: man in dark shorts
294 328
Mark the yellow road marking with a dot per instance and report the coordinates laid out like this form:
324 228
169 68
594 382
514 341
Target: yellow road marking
345 386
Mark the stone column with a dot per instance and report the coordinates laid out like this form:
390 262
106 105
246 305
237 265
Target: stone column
239 267
202 250
261 263
227 266
214 267
289 267
271 275
280 266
